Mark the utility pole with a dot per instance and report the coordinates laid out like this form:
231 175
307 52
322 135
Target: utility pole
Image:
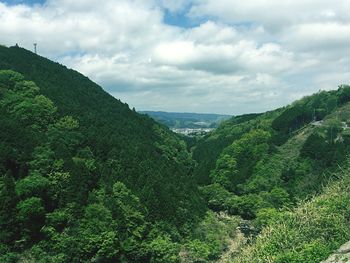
35 44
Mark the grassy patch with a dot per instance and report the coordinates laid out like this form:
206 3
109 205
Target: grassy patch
308 233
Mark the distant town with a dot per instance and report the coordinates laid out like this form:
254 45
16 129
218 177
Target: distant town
189 124
192 131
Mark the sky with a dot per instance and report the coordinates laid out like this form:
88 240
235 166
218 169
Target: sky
207 56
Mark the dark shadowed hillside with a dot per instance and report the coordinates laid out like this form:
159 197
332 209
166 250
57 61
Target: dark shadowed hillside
113 131
70 127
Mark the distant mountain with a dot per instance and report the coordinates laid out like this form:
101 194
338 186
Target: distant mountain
177 120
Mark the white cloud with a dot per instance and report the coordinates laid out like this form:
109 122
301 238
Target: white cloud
325 37
273 13
241 57
174 6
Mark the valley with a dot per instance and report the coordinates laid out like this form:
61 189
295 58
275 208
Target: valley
189 124
83 178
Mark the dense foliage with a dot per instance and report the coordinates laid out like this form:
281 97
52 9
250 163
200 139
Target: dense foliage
271 160
85 179
82 177
134 149
309 233
208 149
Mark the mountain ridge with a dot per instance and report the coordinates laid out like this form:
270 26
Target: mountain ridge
85 179
108 126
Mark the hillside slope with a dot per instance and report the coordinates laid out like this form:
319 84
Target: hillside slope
85 179
151 160
309 233
260 166
82 177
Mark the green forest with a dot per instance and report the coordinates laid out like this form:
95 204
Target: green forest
84 178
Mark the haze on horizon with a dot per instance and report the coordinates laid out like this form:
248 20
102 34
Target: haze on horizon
205 56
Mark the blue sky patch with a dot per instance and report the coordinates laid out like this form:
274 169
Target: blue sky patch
27 2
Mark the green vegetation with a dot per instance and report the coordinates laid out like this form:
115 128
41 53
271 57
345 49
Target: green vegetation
85 179
150 160
260 166
274 159
309 233
80 182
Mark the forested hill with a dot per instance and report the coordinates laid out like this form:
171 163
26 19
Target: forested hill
289 148
70 152
85 179
271 169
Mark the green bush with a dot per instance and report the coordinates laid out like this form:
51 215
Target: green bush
33 185
308 233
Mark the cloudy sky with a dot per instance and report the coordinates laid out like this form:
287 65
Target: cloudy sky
220 56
